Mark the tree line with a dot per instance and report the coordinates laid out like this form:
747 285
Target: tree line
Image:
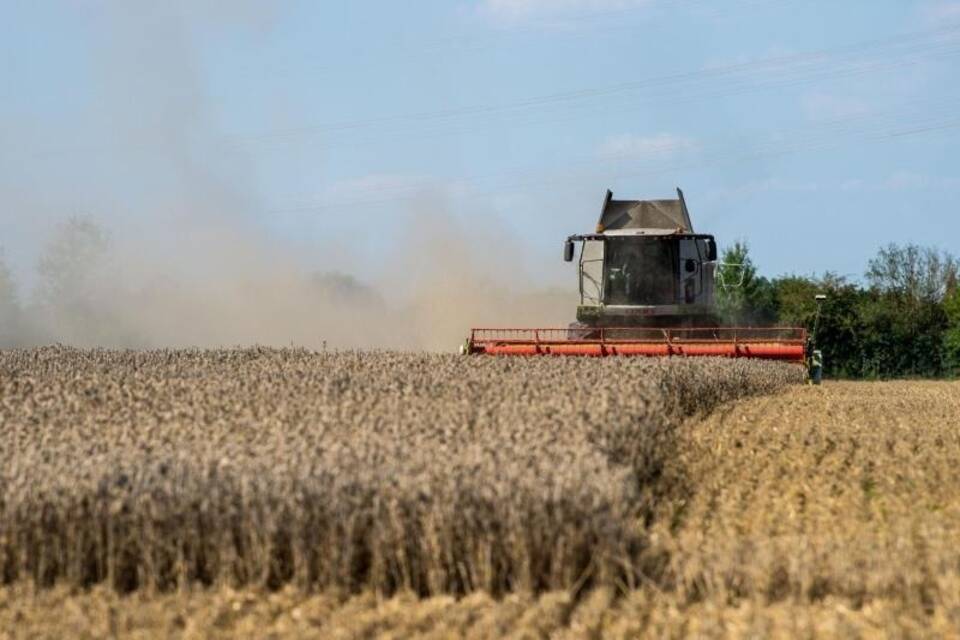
901 320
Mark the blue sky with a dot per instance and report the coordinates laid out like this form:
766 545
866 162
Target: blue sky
815 130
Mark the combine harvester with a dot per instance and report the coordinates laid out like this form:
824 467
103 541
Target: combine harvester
647 286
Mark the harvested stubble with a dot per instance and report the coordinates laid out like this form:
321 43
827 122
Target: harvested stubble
384 471
290 613
844 497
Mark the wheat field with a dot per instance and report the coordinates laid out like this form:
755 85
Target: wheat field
259 468
265 493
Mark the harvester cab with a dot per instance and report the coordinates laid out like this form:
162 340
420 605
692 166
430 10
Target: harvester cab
647 284
644 266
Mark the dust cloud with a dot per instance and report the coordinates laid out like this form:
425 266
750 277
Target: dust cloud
220 286
173 252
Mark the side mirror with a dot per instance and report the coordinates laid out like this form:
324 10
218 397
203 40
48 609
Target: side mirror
568 251
711 250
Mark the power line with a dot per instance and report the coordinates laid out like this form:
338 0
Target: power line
717 81
587 25
785 64
674 97
831 134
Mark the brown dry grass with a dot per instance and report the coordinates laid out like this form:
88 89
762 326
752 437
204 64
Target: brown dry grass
422 473
289 613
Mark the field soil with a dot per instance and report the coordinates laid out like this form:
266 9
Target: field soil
808 512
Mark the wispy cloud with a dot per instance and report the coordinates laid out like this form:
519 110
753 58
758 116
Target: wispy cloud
825 106
375 184
942 11
377 189
634 147
897 181
756 187
374 188
903 181
906 180
517 11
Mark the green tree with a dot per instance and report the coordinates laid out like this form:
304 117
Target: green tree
744 298
951 338
905 318
840 327
906 322
918 274
71 260
72 269
10 313
901 337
